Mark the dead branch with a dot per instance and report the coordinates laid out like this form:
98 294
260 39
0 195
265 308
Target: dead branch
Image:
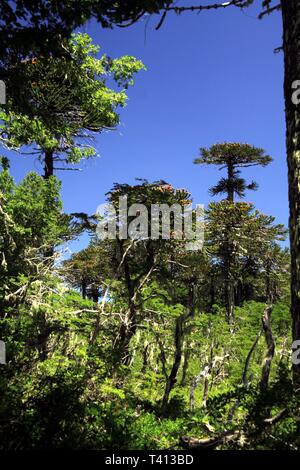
104 299
211 442
276 418
266 324
270 10
247 362
229 435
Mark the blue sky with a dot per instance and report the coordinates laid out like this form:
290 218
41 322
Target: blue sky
210 78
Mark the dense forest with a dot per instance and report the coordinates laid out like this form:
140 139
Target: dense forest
137 342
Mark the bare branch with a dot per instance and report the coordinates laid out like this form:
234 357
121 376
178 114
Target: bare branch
102 306
266 323
214 6
269 10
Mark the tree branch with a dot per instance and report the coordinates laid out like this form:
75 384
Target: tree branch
266 323
269 10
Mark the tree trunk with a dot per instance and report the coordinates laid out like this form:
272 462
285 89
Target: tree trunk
127 331
172 378
128 328
95 295
48 164
266 323
83 288
212 293
185 365
229 287
191 304
291 46
230 177
269 293
229 284
48 171
229 281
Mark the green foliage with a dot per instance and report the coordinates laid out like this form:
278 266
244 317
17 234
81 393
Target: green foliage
233 155
56 101
66 383
240 155
34 27
144 353
31 222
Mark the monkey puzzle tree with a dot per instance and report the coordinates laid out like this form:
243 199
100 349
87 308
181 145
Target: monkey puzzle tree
140 259
59 103
235 231
232 156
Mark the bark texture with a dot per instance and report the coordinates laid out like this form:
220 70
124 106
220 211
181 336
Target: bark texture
48 164
291 47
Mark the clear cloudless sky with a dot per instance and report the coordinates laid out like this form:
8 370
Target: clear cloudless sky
211 77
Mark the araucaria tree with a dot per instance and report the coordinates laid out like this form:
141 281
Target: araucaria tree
231 156
140 260
236 233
